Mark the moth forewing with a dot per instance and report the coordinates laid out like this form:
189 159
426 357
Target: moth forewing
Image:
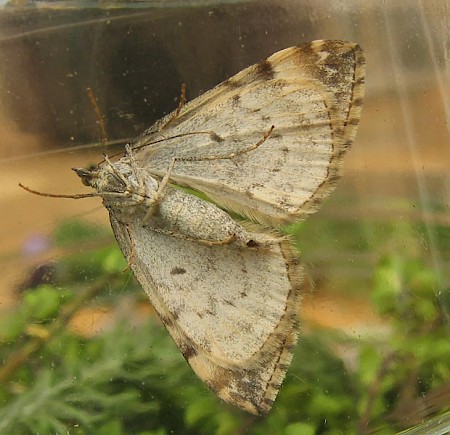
311 94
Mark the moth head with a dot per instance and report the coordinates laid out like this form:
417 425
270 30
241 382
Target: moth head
87 175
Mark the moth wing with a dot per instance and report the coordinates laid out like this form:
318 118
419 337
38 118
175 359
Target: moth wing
311 94
233 312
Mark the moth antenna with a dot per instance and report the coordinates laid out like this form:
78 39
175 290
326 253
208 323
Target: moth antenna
56 195
177 136
98 113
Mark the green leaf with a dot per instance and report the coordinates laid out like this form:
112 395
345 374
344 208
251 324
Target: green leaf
299 429
44 302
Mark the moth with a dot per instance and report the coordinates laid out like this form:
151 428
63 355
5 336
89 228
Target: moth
266 144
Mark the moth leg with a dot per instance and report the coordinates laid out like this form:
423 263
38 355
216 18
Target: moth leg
98 114
135 169
130 259
129 191
231 155
181 104
165 180
141 192
226 241
156 196
251 147
117 173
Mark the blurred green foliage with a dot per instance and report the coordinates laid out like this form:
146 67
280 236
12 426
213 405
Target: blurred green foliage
131 379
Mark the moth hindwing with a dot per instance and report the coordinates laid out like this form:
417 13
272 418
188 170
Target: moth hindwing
267 144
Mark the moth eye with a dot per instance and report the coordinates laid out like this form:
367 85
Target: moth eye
86 180
86 175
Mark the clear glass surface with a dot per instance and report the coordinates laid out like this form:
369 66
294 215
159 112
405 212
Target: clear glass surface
374 345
